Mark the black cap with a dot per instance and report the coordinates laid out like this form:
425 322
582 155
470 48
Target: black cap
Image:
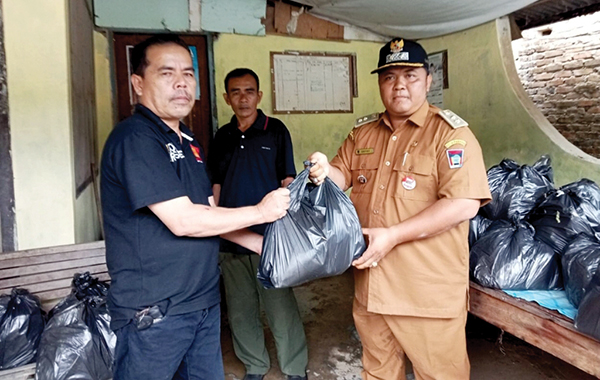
401 52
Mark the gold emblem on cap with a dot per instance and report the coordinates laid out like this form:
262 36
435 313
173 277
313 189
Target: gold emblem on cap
396 46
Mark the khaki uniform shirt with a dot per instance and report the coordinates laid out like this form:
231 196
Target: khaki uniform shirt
395 174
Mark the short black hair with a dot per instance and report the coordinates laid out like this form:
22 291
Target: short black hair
139 61
238 73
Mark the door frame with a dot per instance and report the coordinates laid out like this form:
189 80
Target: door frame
8 241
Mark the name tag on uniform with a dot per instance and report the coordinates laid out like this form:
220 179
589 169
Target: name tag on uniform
365 151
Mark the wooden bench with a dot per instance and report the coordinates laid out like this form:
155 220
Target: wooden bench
544 328
47 273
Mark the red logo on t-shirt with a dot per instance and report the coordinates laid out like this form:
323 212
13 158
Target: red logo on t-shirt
196 152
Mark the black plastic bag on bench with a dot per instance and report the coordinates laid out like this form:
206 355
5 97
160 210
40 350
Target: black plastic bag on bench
21 327
580 262
477 227
508 256
78 342
517 189
319 236
567 212
588 315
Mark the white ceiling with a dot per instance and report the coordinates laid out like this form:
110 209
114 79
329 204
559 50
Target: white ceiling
414 19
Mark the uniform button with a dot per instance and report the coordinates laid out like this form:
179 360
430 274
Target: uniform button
387 163
243 136
375 211
381 187
394 138
242 147
410 169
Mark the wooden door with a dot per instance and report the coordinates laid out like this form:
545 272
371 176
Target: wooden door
199 120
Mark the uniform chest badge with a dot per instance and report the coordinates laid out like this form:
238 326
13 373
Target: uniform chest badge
455 158
365 151
409 183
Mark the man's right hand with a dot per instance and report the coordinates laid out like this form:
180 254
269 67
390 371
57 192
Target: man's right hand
274 205
320 168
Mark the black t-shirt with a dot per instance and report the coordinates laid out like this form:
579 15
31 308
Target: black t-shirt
250 164
144 163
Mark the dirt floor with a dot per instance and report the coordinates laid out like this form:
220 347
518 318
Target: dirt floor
334 348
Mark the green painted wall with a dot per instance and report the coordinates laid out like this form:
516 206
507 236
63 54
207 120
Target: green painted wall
485 93
143 14
310 132
234 16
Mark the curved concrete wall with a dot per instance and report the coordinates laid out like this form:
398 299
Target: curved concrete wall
485 90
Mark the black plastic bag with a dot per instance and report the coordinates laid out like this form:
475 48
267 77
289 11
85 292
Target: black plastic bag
567 212
516 189
319 237
508 256
579 264
21 327
78 342
477 227
588 315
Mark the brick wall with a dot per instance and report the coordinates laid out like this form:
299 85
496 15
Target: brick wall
559 66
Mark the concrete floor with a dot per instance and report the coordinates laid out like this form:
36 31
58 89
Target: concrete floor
334 349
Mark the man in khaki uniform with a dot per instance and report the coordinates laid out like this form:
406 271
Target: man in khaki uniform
417 177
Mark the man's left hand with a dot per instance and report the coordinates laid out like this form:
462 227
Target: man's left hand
379 243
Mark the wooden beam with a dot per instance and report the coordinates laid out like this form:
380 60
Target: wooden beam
308 26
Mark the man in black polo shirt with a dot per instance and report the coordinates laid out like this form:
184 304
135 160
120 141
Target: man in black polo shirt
249 157
161 227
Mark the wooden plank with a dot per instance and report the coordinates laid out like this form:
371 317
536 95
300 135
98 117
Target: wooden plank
49 250
50 297
64 282
49 258
538 326
24 372
51 267
28 280
307 26
310 26
283 15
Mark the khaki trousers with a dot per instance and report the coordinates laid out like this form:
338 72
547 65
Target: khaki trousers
244 295
436 347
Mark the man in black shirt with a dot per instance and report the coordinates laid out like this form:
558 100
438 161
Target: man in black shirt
161 226
251 156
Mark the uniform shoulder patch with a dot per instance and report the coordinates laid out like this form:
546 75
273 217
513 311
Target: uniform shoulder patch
366 119
453 119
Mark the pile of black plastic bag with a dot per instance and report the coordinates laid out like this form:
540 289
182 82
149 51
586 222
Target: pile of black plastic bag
77 342
533 236
21 324
73 342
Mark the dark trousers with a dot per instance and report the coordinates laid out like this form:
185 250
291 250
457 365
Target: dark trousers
186 346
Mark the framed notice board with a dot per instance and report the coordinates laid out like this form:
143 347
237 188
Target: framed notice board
304 82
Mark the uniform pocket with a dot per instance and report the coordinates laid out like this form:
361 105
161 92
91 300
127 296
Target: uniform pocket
415 179
364 172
